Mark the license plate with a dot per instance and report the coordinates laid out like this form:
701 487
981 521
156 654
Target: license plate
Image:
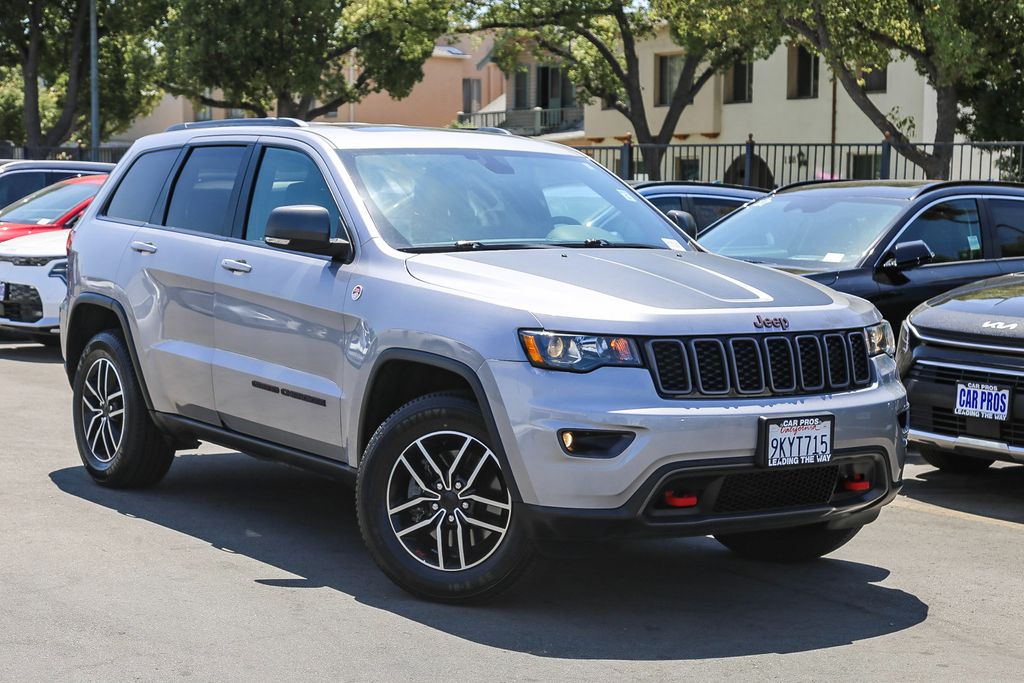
982 400
795 441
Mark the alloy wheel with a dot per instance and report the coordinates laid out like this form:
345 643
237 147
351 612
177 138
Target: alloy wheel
103 410
447 501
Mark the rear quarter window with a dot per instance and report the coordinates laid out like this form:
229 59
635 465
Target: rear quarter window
136 194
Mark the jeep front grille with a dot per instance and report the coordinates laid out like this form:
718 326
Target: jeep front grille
760 365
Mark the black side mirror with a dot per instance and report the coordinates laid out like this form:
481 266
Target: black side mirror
304 227
685 222
907 255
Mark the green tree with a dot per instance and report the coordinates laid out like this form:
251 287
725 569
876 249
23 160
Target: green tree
304 58
597 41
955 44
47 42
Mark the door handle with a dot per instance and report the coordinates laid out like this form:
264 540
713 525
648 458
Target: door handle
144 247
234 266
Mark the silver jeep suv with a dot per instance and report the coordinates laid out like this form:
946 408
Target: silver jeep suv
500 343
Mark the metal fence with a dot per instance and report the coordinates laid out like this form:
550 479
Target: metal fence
107 154
534 121
769 165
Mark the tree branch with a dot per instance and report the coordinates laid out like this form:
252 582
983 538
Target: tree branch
211 102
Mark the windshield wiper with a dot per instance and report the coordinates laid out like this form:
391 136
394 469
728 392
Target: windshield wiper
472 245
601 243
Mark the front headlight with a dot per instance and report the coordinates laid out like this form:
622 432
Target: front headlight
578 352
881 340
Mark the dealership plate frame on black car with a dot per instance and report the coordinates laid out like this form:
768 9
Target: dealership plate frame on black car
765 425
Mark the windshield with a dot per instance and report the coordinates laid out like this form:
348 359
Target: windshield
431 199
806 229
48 204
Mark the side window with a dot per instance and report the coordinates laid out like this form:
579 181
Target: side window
57 176
136 196
666 203
285 178
1008 220
14 186
951 229
201 198
707 210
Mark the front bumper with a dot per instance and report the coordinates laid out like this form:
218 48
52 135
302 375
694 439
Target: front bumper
531 406
49 290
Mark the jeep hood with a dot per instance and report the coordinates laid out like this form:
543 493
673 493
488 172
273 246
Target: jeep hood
613 290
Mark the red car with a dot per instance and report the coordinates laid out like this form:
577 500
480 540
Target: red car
51 208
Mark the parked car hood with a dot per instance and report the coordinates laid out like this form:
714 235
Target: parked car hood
10 231
46 243
992 308
614 289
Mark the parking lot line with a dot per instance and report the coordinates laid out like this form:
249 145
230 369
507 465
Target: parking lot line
910 503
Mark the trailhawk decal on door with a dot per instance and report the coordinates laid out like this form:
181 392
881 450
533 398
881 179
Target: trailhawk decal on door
289 393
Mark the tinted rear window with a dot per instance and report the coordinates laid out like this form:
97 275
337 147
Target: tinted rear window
136 196
201 199
1008 218
14 186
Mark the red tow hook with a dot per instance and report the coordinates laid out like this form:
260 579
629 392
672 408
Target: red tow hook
681 501
858 483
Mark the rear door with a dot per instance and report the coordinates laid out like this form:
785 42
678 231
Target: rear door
279 327
952 229
169 274
1006 218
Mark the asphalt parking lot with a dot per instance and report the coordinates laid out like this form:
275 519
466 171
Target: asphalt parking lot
236 569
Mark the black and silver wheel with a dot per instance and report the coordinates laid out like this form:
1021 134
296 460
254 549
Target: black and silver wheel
435 506
117 440
796 544
954 463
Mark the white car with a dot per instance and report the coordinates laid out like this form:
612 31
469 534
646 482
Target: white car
33 282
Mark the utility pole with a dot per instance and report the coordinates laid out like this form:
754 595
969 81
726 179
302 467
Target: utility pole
94 86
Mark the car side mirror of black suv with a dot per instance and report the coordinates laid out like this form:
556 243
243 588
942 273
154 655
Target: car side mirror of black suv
907 255
304 227
685 222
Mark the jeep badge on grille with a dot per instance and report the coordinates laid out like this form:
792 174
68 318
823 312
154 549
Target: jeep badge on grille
778 323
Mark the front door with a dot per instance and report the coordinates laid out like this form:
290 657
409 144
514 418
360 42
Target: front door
952 229
279 328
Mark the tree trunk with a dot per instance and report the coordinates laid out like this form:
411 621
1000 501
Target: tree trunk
30 77
77 61
946 114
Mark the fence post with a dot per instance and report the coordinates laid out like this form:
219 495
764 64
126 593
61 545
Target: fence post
748 161
626 161
537 124
883 172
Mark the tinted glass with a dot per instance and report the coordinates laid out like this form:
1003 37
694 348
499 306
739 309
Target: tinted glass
666 203
951 229
804 229
136 196
286 178
49 204
434 198
707 210
1008 219
201 198
14 186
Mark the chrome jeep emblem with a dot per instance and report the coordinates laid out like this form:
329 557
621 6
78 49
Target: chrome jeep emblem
999 325
776 323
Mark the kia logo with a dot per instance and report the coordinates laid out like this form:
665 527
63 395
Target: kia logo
779 323
999 325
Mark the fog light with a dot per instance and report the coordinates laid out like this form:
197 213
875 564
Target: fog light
594 444
567 440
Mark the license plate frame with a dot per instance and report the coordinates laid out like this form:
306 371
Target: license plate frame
976 388
768 457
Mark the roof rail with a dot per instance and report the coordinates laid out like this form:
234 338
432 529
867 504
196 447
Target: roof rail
942 184
804 183
490 129
220 123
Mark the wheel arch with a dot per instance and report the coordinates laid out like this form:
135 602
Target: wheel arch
89 315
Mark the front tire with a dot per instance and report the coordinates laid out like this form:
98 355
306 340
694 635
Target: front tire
954 463
435 506
798 544
119 444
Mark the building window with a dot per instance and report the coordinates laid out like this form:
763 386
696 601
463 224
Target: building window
875 80
470 95
739 83
802 80
669 68
521 90
865 166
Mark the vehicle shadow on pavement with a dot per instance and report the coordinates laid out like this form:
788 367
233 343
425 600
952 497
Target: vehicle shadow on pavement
665 600
29 352
997 493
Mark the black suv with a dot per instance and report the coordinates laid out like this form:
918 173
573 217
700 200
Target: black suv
706 202
894 243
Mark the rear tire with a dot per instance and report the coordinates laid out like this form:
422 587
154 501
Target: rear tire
118 442
798 544
434 503
953 462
